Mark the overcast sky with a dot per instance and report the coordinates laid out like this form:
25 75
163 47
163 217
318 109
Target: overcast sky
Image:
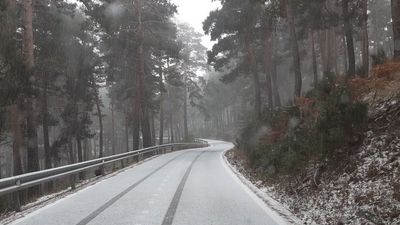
195 12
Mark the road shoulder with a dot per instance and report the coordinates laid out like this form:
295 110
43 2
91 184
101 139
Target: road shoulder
270 205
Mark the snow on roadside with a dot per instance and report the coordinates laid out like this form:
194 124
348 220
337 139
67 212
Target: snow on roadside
262 194
369 193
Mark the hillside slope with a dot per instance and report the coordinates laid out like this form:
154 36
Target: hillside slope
365 188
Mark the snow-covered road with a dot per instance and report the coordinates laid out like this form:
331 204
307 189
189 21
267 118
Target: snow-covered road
190 187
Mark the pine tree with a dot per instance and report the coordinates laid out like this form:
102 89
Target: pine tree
396 28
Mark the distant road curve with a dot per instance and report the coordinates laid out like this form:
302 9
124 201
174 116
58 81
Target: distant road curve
189 187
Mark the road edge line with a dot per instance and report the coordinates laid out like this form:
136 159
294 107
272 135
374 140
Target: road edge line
280 214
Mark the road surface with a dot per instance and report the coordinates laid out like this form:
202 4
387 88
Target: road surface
189 187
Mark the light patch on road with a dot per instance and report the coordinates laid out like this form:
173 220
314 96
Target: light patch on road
252 195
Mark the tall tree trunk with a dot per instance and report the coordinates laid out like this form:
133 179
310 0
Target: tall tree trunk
127 132
333 50
295 48
45 122
71 161
80 154
146 130
100 118
48 154
17 138
345 57
161 131
32 150
268 64
113 147
256 80
274 72
79 148
178 135
322 50
396 28
185 115
314 59
153 129
141 97
365 37
113 129
15 115
136 128
348 30
171 126
30 105
327 53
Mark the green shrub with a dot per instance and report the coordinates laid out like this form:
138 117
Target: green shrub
279 145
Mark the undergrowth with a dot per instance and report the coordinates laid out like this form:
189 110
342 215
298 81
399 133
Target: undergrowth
321 128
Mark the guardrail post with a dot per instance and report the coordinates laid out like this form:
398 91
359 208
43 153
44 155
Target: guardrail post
140 157
72 181
16 201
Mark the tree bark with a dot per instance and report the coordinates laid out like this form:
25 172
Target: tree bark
314 59
143 109
113 129
15 114
348 30
136 128
80 154
268 64
113 133
295 48
365 38
274 72
185 115
28 53
146 130
71 161
396 28
127 132
153 129
171 126
161 131
100 118
48 154
345 57
45 122
256 80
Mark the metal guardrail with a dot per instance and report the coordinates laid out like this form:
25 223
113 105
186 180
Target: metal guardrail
24 181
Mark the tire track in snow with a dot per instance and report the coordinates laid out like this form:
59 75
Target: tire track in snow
99 210
169 216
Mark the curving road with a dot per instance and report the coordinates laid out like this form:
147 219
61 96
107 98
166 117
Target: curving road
190 187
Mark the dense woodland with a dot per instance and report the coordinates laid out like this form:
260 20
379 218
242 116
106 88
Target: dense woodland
85 79
288 76
281 50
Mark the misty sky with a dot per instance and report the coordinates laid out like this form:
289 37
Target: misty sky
195 12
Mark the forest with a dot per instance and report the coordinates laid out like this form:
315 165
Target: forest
284 80
85 79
